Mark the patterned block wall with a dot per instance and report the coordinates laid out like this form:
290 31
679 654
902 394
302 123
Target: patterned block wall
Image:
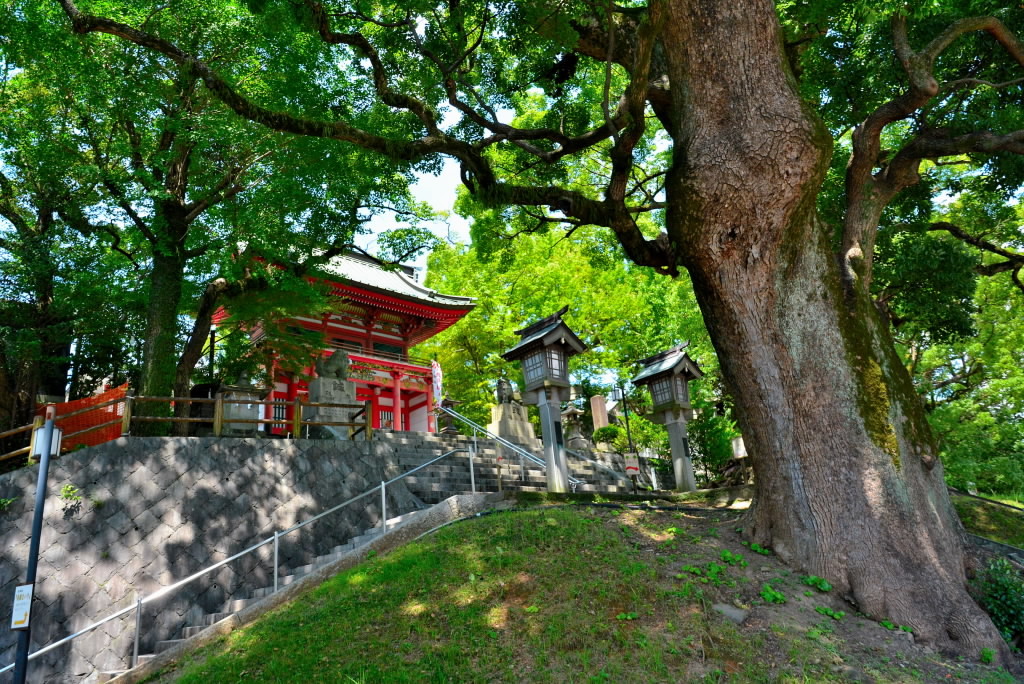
154 510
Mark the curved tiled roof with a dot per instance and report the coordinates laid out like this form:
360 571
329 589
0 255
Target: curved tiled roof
368 273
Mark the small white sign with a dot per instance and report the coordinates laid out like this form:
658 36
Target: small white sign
22 606
37 442
632 464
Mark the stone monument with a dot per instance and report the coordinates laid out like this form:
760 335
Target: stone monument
331 386
599 411
508 417
574 438
242 390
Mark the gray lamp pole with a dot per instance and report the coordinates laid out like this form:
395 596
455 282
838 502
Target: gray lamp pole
667 376
544 349
625 415
550 407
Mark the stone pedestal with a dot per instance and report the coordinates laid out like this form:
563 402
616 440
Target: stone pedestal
675 421
554 442
509 421
682 465
331 386
574 438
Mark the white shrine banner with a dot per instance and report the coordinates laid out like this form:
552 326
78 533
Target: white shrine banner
436 375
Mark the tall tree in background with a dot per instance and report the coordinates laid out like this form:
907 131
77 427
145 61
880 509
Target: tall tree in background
51 277
202 203
750 99
624 312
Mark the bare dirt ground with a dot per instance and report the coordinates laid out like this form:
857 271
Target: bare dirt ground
796 631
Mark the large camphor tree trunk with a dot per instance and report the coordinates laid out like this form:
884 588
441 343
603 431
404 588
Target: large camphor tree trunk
849 486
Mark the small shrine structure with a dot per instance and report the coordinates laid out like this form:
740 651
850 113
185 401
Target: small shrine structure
378 315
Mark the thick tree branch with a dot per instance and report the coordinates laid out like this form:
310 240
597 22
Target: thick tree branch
281 121
227 187
588 211
990 25
476 170
114 190
9 208
385 92
74 217
983 245
937 143
868 192
137 162
1014 260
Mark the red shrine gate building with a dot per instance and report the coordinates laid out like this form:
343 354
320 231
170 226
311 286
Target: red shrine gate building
378 315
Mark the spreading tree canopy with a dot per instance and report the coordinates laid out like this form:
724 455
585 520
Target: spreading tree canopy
197 204
757 146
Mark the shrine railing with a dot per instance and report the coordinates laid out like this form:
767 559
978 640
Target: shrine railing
382 355
360 422
126 413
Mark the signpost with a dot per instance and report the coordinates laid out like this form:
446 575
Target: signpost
23 593
633 468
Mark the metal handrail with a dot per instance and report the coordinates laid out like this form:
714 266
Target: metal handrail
275 540
515 448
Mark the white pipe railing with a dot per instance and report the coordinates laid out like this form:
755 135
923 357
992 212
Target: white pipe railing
275 540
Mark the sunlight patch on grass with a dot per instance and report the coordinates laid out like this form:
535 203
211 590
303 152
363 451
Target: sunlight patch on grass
356 579
497 617
415 608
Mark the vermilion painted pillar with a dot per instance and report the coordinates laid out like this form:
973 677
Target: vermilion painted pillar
293 391
398 420
268 409
431 418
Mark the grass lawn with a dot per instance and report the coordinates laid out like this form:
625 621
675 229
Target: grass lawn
990 520
571 594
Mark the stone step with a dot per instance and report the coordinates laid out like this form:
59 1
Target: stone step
479 473
605 489
110 674
235 605
214 618
162 646
343 548
336 553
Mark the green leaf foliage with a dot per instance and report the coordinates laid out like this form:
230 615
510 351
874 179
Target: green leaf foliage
1000 591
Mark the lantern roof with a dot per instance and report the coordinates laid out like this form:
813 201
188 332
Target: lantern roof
544 333
671 362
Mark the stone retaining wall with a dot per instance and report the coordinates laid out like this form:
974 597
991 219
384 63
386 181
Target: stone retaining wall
154 510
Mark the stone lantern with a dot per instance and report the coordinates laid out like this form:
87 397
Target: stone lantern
544 351
667 376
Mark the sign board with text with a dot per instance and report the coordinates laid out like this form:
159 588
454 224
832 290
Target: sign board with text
22 606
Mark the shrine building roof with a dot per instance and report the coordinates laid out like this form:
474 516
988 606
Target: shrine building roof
366 273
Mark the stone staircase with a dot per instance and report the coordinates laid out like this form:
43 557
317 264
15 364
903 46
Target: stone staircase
451 476
495 469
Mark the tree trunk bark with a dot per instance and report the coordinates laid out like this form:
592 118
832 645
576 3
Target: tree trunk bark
159 347
849 486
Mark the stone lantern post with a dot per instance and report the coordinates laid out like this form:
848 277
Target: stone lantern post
667 376
544 351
